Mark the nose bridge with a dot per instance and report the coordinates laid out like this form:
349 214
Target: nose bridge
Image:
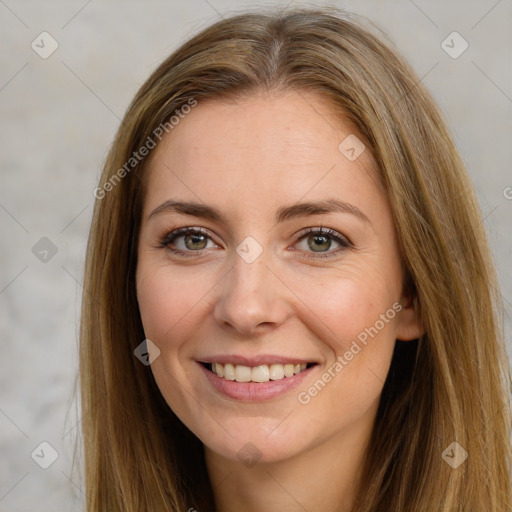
250 269
249 294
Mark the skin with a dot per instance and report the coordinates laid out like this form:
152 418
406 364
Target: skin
247 159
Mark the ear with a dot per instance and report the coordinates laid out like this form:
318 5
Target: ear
408 323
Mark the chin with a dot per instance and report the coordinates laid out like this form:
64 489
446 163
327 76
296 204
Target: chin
251 444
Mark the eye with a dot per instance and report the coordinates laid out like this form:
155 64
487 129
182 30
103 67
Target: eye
319 241
185 241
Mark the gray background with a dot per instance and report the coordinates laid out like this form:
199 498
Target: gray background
57 119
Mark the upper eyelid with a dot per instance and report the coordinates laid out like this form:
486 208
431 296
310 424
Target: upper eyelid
175 233
324 231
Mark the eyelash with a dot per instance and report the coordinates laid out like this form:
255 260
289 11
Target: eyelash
344 242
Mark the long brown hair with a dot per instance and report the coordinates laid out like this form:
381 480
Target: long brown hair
450 386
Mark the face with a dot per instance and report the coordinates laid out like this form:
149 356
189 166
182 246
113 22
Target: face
295 307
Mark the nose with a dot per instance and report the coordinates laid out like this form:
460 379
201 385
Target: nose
251 298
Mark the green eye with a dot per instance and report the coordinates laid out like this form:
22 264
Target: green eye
194 241
186 241
320 241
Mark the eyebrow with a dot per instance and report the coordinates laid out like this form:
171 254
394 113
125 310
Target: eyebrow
284 213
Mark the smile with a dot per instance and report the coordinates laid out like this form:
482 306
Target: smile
261 373
255 382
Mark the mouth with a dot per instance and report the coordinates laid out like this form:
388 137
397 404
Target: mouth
258 374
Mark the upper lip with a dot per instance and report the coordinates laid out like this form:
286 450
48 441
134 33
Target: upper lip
257 360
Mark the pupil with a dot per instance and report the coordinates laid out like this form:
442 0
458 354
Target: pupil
323 244
194 239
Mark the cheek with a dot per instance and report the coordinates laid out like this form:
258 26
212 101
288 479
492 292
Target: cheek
169 302
344 305
353 315
356 321
167 298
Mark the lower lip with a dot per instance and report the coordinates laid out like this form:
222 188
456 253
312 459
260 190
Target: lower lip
254 391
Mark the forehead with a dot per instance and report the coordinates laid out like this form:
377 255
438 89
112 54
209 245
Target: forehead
261 151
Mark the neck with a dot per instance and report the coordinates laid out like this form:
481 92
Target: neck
323 477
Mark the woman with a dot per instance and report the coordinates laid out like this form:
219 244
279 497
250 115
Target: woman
289 300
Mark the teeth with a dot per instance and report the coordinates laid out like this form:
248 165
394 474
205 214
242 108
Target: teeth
243 373
276 372
229 372
288 370
219 370
262 373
